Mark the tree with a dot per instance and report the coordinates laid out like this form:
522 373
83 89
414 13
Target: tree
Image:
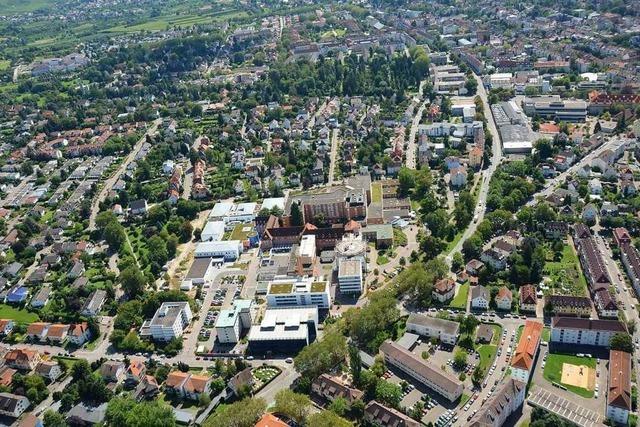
114 235
370 325
54 419
294 405
468 324
244 413
339 406
327 419
622 342
132 281
296 214
478 376
457 262
407 180
388 393
355 363
124 411
186 231
322 355
460 359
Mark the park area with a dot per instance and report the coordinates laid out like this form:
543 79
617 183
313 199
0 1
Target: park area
577 374
565 274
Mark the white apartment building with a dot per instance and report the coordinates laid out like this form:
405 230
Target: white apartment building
231 323
573 330
445 331
297 292
350 276
422 370
168 322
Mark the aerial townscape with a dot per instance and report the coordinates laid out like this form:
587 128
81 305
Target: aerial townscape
319 213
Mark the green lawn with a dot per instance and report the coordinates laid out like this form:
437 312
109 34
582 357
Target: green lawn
460 300
340 32
20 316
464 399
497 334
487 354
239 233
382 260
453 243
553 370
4 64
376 192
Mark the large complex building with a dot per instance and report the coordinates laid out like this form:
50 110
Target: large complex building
227 250
571 330
421 370
350 276
446 331
284 330
231 323
526 351
168 322
301 291
619 389
552 107
506 400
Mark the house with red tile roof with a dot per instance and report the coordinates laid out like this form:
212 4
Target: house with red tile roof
187 385
526 351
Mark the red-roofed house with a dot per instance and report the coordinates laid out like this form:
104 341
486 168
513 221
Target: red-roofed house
526 351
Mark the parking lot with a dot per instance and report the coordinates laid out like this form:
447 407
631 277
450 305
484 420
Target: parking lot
564 408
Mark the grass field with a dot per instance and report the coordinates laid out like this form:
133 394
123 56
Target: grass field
460 300
376 192
340 32
22 6
566 274
20 316
239 233
553 370
487 354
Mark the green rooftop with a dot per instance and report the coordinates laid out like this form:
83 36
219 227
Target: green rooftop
281 288
318 286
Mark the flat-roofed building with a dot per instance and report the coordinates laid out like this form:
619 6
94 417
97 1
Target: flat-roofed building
619 389
553 107
446 331
526 351
168 322
200 270
572 330
284 330
422 370
232 322
228 250
301 291
213 231
506 400
350 277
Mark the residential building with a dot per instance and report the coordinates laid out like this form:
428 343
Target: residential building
37 331
484 333
6 326
631 261
232 322
444 290
572 330
568 305
112 371
187 385
301 291
330 388
168 322
605 304
479 298
496 258
57 333
503 298
284 330
13 405
93 304
378 414
79 333
242 380
619 389
506 400
591 259
421 370
528 298
6 376
446 331
136 371
85 415
138 207
270 420
49 370
22 359
526 351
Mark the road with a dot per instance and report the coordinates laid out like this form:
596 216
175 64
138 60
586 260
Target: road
480 209
333 155
412 147
108 184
